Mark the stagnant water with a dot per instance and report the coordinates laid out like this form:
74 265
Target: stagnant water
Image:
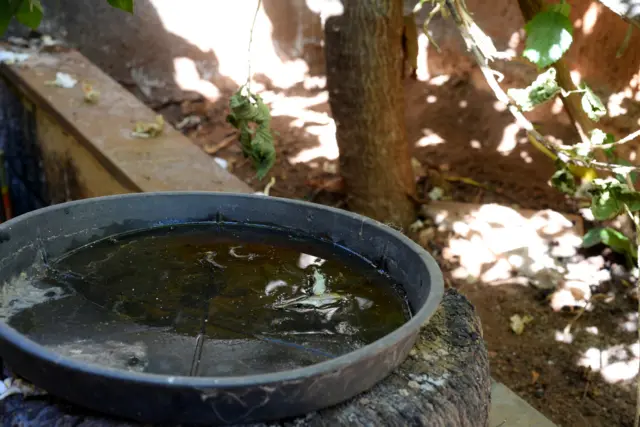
206 300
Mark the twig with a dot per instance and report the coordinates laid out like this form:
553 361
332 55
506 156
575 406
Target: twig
220 145
624 140
253 24
521 120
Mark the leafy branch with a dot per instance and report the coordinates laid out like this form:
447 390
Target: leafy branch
252 118
549 36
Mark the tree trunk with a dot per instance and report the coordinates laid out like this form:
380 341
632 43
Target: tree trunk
366 93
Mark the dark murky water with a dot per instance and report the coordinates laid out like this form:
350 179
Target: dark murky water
206 300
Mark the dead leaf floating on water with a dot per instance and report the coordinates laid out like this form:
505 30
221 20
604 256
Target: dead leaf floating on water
149 129
518 323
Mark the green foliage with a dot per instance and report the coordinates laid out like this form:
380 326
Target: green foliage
591 104
613 239
564 180
549 35
247 110
543 89
126 5
30 12
609 197
8 9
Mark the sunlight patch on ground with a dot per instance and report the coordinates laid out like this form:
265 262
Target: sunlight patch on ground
498 244
439 80
325 8
316 123
224 32
492 242
499 106
429 138
615 103
590 18
509 139
616 364
187 77
327 144
557 106
422 73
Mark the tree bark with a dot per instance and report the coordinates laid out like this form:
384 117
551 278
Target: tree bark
364 76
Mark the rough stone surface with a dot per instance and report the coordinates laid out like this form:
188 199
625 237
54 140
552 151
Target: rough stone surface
444 382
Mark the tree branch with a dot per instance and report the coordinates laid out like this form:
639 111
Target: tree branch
462 20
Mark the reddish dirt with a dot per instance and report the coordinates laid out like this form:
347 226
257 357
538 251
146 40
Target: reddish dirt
461 113
545 372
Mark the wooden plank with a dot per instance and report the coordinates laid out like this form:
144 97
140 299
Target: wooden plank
169 162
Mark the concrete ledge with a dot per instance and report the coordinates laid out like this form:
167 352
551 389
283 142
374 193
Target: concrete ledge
87 149
509 410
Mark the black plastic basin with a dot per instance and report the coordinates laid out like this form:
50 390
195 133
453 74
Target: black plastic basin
213 400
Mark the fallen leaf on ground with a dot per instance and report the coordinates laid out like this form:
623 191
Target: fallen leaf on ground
518 323
149 129
62 80
91 95
534 377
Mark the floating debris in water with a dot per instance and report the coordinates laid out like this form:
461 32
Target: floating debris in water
22 293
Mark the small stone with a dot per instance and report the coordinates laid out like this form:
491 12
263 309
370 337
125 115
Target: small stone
364 401
413 385
403 392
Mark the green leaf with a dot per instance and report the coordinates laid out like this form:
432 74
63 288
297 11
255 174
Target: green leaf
30 13
621 178
564 181
591 104
605 203
563 8
257 144
8 8
126 5
543 89
609 197
549 35
613 239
